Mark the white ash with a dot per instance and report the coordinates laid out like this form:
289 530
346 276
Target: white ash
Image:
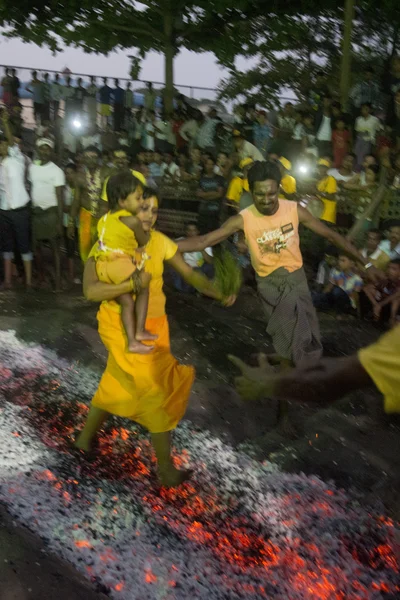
136 543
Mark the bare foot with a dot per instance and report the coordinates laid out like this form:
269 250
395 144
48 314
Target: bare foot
145 336
171 477
138 348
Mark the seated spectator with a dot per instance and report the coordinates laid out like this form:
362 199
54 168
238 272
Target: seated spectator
171 171
341 138
157 166
360 178
262 133
199 261
244 148
326 190
211 192
396 173
325 268
344 172
288 182
373 252
195 167
384 298
341 293
392 245
183 164
366 129
190 129
238 194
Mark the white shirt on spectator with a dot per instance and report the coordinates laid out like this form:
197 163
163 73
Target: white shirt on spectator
91 140
248 150
368 127
195 259
45 179
393 254
338 176
189 131
172 170
325 130
298 132
13 192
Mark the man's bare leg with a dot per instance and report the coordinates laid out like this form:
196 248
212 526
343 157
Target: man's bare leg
8 271
28 273
168 475
95 419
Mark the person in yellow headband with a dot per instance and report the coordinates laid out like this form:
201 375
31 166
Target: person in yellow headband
239 187
288 183
326 190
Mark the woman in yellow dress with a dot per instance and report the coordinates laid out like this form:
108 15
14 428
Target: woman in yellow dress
151 389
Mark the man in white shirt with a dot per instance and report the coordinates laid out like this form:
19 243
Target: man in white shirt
246 149
323 128
392 245
15 218
48 183
345 172
171 171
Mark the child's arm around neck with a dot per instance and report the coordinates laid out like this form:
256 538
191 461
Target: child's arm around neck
135 225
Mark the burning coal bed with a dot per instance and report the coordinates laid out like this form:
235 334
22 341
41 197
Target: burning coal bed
238 530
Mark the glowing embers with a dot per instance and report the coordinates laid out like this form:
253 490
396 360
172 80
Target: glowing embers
238 530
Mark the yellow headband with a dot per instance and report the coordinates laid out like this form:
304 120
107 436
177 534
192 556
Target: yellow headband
285 163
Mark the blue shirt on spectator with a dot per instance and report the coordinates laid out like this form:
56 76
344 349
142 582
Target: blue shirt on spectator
261 136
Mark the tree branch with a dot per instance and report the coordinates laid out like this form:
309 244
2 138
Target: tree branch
145 29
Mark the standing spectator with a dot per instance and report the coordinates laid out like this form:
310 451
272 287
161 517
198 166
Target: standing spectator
318 91
324 128
150 97
137 123
46 97
206 133
118 96
15 220
47 182
223 166
177 122
35 87
288 182
79 97
391 81
105 102
246 149
223 138
69 100
340 142
262 133
6 84
372 252
211 192
393 119
195 167
128 103
249 120
163 134
366 128
190 129
365 92
309 134
157 166
56 95
15 85
91 102
296 144
345 172
148 141
286 125
326 190
70 240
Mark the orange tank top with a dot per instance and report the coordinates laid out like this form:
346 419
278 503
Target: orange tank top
273 241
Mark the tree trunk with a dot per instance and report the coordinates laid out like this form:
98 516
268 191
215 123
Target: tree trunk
169 53
346 52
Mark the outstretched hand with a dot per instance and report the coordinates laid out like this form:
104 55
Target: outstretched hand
255 382
229 300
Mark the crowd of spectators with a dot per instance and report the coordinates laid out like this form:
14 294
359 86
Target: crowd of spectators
86 131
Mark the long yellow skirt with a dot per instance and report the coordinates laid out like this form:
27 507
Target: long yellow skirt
87 233
151 389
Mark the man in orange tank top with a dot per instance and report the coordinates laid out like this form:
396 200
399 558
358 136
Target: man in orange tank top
271 228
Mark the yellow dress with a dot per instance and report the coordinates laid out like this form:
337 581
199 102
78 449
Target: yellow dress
151 389
382 363
329 186
116 253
